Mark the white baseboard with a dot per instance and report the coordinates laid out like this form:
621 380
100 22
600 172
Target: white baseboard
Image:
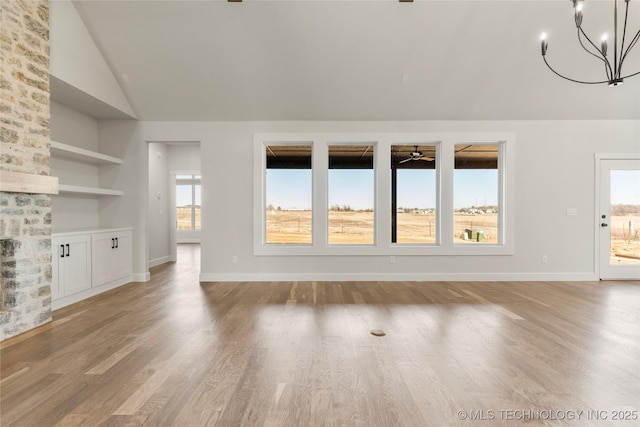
396 277
71 299
141 277
159 261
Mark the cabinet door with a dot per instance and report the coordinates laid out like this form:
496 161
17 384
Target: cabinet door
122 256
103 245
77 264
57 261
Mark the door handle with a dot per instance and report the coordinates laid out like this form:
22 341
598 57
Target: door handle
62 247
68 251
604 224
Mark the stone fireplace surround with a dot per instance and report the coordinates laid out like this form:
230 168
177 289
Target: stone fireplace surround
25 185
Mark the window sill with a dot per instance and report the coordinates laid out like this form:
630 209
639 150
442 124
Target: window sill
392 250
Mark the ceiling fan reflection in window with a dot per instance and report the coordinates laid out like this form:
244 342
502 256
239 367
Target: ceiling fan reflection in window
417 155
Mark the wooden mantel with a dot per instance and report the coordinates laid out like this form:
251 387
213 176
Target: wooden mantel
18 182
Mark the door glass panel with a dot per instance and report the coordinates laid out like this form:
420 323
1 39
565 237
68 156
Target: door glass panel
184 203
625 217
196 207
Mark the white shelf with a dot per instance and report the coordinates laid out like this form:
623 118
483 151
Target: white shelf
64 150
88 191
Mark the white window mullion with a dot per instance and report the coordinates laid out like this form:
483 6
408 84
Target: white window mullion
259 195
193 202
382 171
445 218
507 193
320 165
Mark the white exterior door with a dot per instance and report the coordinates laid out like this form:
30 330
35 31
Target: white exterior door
618 220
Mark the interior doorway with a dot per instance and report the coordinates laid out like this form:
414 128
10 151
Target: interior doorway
618 217
175 206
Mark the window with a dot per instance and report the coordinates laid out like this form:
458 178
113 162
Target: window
188 202
384 194
476 207
288 192
351 195
413 194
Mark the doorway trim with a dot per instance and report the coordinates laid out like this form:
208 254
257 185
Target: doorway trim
172 256
599 157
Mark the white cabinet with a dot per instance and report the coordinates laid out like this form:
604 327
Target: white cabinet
111 256
87 263
71 265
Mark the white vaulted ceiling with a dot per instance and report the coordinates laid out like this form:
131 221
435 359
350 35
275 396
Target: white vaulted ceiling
357 60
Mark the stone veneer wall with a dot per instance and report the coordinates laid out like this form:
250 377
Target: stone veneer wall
25 219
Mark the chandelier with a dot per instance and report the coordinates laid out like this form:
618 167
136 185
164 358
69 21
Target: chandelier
613 69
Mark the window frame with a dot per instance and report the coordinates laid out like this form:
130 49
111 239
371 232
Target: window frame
374 146
263 220
500 183
438 146
382 245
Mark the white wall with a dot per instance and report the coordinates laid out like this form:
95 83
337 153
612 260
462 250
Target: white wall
184 157
124 139
158 224
74 128
77 65
554 171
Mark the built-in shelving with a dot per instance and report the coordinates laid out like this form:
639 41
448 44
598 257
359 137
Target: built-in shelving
58 149
69 151
88 191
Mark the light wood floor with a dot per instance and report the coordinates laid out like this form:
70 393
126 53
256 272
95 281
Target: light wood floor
176 352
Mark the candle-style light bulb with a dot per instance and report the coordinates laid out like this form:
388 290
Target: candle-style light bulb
603 44
578 16
544 44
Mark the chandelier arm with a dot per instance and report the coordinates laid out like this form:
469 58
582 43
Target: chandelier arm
631 45
631 75
615 38
624 34
601 57
571 80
